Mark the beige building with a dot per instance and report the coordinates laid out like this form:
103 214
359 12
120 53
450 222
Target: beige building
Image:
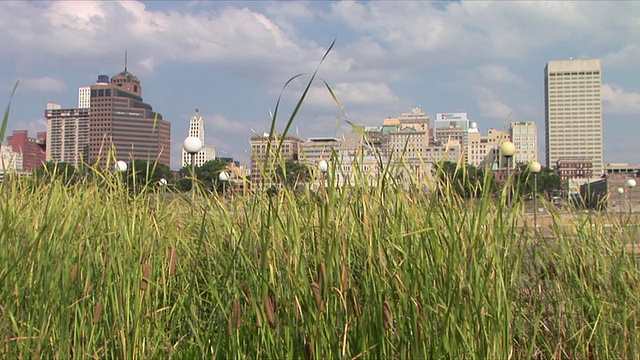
482 149
573 112
524 135
67 134
289 150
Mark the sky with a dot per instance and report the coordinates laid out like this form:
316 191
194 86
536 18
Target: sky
233 61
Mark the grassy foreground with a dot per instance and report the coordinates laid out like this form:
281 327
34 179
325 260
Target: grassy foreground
90 271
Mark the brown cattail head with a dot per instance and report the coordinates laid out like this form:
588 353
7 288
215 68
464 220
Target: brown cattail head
173 257
317 297
97 312
270 308
355 302
74 273
235 318
308 351
146 275
89 287
386 315
321 277
344 276
466 290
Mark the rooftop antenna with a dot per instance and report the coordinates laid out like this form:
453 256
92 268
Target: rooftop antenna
125 60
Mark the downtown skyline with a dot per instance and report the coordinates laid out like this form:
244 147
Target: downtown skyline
231 60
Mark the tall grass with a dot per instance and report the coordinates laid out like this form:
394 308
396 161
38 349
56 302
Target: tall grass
372 272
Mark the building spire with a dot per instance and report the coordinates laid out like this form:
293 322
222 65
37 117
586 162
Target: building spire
125 60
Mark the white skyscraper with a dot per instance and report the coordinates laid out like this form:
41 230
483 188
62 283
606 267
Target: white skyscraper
84 97
573 112
196 129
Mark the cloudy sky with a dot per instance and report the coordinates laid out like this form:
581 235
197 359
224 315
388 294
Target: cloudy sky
232 60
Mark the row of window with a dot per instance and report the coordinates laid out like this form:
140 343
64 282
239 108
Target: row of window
574 73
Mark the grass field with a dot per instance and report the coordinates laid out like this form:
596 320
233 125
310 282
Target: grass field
91 271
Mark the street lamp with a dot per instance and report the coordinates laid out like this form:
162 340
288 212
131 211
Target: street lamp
507 150
621 192
192 145
121 166
163 183
535 167
323 166
224 177
631 183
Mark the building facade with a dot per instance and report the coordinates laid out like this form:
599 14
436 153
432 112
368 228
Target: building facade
524 135
196 129
121 125
33 150
573 112
261 145
67 134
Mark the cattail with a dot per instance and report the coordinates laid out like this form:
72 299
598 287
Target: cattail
270 308
308 351
344 276
235 320
321 277
172 261
144 257
74 273
146 275
355 303
97 312
316 296
386 315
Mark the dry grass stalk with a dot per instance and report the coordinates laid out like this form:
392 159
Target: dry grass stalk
173 257
74 273
270 308
386 315
317 297
97 312
146 275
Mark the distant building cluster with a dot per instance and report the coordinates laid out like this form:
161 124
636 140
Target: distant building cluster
111 118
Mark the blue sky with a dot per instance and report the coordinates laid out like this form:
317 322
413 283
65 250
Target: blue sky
231 59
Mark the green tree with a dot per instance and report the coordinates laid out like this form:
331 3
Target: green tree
53 171
293 173
465 180
207 175
548 181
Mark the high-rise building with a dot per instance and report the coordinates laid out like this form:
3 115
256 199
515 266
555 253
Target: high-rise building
67 134
122 125
482 150
573 112
524 135
196 129
84 97
33 150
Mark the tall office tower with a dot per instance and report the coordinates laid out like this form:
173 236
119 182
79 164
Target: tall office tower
196 129
84 97
573 112
122 125
524 135
67 134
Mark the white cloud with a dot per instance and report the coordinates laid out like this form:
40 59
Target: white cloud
618 101
494 109
220 124
45 84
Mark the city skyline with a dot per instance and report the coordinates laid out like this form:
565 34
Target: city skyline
231 60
